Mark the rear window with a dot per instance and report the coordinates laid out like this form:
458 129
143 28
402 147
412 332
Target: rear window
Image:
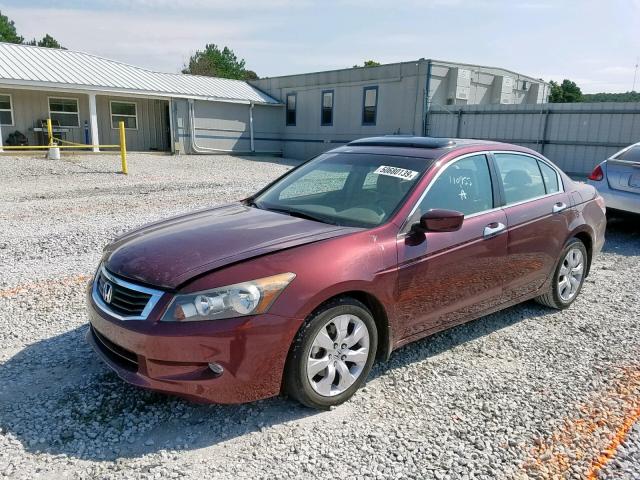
631 155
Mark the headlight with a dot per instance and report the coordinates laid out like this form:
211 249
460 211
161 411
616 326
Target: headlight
247 298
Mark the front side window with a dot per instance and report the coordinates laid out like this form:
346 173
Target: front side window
126 112
351 189
327 108
291 109
370 105
64 112
464 186
520 176
6 110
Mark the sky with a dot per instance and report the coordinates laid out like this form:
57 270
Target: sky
594 43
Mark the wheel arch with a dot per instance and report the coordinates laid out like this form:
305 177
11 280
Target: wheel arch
587 239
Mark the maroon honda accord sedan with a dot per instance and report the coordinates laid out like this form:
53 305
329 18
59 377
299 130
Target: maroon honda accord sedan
354 253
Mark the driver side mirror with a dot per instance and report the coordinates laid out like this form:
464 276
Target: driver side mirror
439 220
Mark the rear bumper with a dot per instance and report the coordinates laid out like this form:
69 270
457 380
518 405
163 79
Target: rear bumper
174 358
617 199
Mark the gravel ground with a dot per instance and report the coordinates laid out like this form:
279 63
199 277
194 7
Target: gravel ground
524 393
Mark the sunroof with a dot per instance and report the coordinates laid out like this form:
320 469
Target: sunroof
403 141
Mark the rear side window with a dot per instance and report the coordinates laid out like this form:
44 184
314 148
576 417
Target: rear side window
631 155
550 178
521 177
464 186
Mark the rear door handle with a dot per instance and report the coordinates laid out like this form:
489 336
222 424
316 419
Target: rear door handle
558 207
494 229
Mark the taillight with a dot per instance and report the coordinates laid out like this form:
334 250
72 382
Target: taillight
597 174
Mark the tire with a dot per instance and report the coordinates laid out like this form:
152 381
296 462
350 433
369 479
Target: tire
562 294
340 320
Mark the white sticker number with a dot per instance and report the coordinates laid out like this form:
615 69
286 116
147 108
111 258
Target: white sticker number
396 172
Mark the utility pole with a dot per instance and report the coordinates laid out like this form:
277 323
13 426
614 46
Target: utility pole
635 75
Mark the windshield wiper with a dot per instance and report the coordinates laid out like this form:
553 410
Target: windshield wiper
299 214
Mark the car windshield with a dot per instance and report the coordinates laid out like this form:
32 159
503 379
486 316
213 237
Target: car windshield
350 189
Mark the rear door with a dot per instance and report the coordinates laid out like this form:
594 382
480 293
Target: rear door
445 278
623 171
538 215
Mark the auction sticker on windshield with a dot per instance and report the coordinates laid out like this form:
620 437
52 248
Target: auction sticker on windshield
396 172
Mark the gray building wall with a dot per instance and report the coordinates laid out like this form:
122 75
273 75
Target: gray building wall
399 105
31 106
576 137
153 124
401 99
226 126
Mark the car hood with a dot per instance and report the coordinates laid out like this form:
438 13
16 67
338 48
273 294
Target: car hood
171 252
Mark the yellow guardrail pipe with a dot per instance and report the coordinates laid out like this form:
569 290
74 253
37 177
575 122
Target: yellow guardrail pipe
50 131
47 147
123 148
65 144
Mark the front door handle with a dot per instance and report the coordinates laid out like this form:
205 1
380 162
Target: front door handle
558 207
494 229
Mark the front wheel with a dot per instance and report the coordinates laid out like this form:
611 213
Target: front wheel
568 277
332 354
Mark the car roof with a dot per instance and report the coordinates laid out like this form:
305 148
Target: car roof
423 147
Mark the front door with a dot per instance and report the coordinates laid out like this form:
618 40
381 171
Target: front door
538 217
445 278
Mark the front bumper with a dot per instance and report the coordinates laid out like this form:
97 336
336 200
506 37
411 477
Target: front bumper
617 199
173 358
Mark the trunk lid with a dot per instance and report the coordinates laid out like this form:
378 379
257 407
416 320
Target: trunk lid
623 175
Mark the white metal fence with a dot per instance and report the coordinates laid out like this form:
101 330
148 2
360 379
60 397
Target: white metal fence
576 136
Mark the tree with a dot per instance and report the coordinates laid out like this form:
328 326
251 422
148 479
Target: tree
369 63
213 62
47 41
50 42
9 34
250 75
8 31
566 92
632 96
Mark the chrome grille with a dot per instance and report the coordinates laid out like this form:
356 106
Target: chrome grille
124 300
121 299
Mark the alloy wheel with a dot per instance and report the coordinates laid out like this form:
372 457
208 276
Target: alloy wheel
338 355
570 275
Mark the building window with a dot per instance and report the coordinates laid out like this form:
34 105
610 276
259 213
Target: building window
63 112
291 109
327 108
6 110
370 105
126 112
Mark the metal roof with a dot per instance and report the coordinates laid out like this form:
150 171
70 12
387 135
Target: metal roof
49 67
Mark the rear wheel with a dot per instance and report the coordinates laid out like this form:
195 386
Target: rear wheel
332 354
568 277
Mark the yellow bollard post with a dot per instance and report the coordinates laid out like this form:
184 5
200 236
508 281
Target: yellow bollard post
123 148
50 131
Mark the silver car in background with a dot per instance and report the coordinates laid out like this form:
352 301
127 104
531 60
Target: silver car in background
617 179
